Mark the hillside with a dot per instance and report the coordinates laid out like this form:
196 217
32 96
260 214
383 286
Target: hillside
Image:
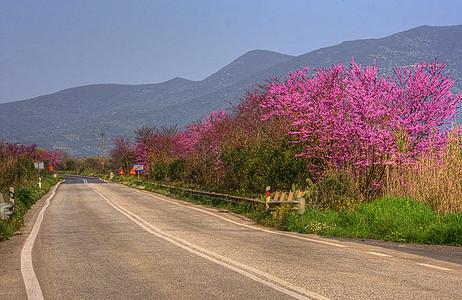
73 119
425 43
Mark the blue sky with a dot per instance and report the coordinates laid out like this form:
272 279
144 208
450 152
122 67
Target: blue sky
47 46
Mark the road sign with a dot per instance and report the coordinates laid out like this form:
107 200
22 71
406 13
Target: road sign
39 165
138 167
132 172
121 172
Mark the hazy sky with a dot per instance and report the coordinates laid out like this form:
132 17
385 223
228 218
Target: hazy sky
47 46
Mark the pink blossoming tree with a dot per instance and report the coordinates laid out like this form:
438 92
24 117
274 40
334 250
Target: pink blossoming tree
350 118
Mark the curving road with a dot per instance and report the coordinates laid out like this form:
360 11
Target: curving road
99 240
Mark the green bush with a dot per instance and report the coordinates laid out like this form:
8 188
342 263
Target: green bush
160 170
70 165
337 191
19 173
253 168
26 195
391 219
447 230
175 170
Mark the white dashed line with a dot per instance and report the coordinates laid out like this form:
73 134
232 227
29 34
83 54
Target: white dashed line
165 199
379 254
434 267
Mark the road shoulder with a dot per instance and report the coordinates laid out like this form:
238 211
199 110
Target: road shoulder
10 255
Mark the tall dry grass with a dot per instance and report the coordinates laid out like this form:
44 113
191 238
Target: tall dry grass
436 181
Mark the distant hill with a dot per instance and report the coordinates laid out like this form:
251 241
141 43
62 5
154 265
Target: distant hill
73 119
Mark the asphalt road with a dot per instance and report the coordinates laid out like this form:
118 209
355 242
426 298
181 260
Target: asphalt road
98 240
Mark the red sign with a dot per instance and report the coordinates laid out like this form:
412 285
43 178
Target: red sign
121 172
132 172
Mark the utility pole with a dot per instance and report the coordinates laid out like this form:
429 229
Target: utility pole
102 156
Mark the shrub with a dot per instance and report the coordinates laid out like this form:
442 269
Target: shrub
176 170
446 231
337 191
21 171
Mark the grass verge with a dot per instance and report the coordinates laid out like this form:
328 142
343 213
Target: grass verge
390 219
25 197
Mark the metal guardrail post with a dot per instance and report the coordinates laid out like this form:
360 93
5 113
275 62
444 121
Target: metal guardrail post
7 207
302 206
299 202
6 210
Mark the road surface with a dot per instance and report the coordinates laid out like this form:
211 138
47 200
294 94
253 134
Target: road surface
89 239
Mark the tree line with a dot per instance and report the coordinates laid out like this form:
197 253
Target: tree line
345 133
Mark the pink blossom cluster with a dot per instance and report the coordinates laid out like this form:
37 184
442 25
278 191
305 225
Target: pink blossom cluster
351 117
206 135
122 145
53 157
15 150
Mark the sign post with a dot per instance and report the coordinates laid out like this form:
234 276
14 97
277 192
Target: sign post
138 168
39 166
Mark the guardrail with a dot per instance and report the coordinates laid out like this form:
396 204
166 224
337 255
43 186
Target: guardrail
7 204
230 198
293 198
298 203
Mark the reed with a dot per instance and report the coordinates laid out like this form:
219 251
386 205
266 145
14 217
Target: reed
435 180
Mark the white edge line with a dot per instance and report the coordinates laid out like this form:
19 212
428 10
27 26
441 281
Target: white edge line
27 269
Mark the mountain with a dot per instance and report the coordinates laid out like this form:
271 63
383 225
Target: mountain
73 119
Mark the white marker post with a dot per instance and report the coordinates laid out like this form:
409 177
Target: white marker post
12 194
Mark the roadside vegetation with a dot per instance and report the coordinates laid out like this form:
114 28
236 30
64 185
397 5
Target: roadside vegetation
390 219
375 155
17 170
